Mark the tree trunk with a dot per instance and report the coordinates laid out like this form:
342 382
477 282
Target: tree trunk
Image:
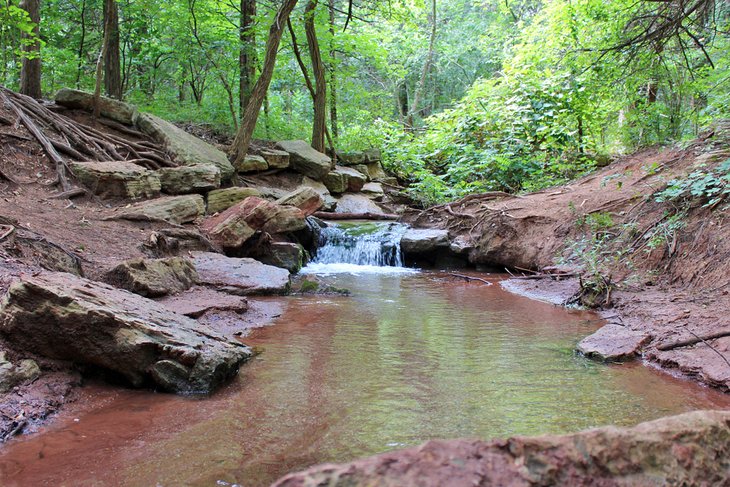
247 55
319 124
30 70
82 44
112 68
426 68
333 75
258 93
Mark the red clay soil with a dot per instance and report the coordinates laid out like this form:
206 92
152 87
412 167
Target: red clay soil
676 290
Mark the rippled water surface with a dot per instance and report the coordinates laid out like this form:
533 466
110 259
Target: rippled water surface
406 358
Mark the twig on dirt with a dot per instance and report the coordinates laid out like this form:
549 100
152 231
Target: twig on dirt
71 193
7 230
470 278
694 341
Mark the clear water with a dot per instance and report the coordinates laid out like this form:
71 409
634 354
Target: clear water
406 358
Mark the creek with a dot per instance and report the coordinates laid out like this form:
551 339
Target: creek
410 356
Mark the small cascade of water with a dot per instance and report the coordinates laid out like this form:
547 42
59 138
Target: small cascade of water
366 244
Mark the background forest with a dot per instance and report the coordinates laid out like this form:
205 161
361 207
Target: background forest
461 95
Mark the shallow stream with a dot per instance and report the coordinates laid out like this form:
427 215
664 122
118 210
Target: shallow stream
408 357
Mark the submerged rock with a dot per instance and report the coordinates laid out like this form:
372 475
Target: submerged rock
613 343
689 449
154 277
305 160
240 276
62 316
117 179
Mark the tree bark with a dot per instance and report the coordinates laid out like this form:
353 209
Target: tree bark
247 55
319 124
258 93
82 44
112 68
30 70
426 68
333 75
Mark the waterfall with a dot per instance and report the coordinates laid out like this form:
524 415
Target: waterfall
366 244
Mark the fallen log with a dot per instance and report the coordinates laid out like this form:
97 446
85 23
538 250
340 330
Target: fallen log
328 215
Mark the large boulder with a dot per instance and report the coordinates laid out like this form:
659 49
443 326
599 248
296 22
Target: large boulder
613 343
232 227
173 209
305 198
108 107
376 171
251 163
350 158
117 179
186 149
62 316
329 201
373 191
189 179
289 256
424 240
276 159
372 155
222 199
689 449
305 160
240 276
153 277
13 374
343 179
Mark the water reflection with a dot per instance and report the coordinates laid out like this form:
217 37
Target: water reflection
405 359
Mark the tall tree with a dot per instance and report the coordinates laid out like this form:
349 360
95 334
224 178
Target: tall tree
247 55
333 74
112 67
258 93
426 68
30 71
319 124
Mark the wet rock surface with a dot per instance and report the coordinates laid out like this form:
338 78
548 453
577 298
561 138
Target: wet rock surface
689 449
424 240
240 276
613 343
62 316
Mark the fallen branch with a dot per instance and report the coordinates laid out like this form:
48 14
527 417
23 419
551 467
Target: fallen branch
71 193
543 276
692 341
7 230
328 215
470 278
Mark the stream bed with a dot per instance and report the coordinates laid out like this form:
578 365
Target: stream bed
410 356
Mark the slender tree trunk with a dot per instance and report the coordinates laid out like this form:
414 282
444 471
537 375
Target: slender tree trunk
258 93
333 75
426 68
99 73
247 56
112 69
82 44
30 70
319 124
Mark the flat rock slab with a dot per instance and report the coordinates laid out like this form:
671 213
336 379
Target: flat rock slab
186 149
222 199
356 203
197 301
276 159
305 198
304 159
251 163
114 109
424 240
613 343
62 316
189 179
117 179
153 277
240 276
689 449
173 209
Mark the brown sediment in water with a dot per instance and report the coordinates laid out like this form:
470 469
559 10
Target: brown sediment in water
404 360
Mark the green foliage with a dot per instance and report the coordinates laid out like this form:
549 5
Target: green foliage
710 187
